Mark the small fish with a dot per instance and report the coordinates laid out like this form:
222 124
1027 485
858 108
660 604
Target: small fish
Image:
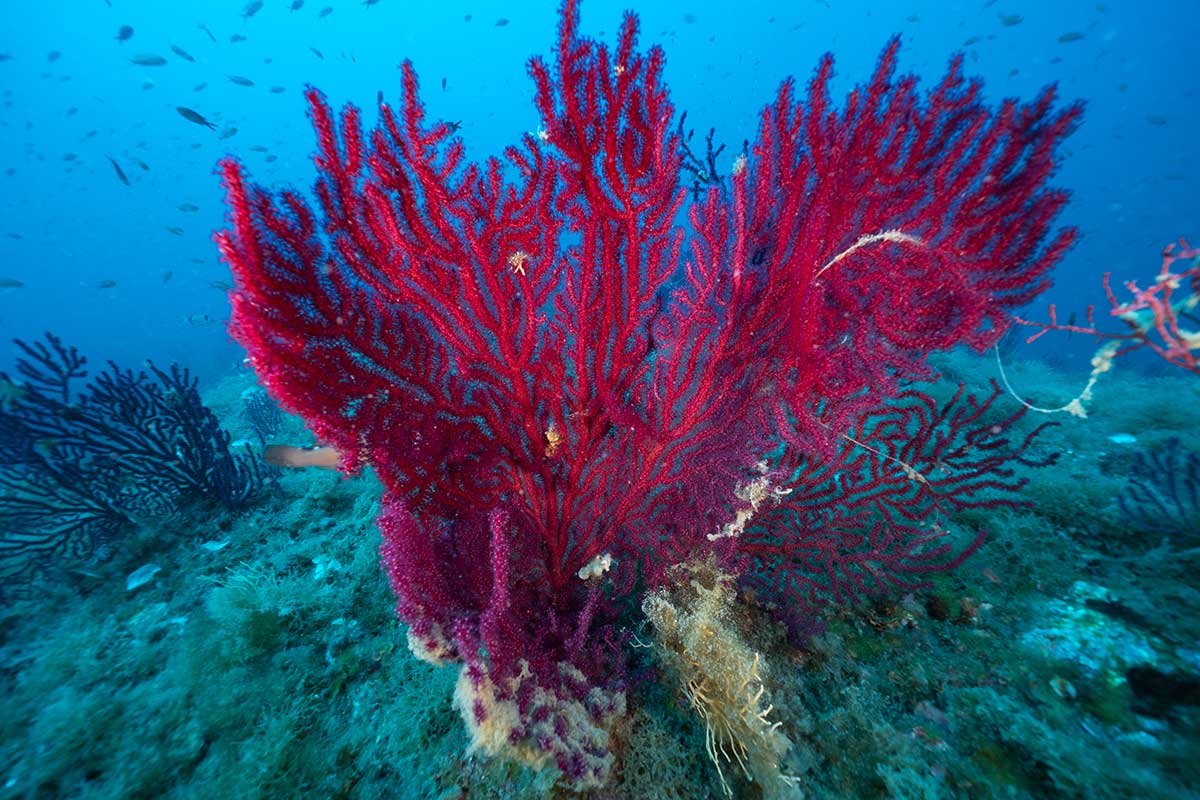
228 132
369 3
500 23
237 37
142 164
107 284
124 33
297 5
454 126
204 28
282 455
271 158
188 207
240 81
1008 20
466 17
10 283
174 230
1070 36
316 52
224 286
198 319
277 90
168 275
443 84
148 60
194 116
325 12
184 54
53 56
251 9
199 87
258 148
120 172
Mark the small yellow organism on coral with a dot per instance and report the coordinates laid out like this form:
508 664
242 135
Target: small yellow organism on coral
553 439
517 262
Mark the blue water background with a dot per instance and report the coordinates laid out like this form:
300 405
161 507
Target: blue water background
68 224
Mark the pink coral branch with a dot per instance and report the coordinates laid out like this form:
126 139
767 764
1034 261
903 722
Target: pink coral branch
1152 315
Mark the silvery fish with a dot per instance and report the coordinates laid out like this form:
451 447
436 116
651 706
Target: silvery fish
194 116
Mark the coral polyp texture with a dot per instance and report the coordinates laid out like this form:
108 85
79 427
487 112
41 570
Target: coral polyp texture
570 375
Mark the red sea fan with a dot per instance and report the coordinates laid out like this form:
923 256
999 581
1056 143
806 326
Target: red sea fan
567 379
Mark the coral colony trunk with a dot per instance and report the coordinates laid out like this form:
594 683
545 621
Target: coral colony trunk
569 378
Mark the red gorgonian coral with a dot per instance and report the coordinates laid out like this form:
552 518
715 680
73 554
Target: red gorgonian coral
569 378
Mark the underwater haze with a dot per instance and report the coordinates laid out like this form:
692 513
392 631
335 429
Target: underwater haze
195 603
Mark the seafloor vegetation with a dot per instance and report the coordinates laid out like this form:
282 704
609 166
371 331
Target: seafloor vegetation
264 658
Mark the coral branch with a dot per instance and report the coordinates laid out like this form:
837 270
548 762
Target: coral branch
1156 318
85 459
